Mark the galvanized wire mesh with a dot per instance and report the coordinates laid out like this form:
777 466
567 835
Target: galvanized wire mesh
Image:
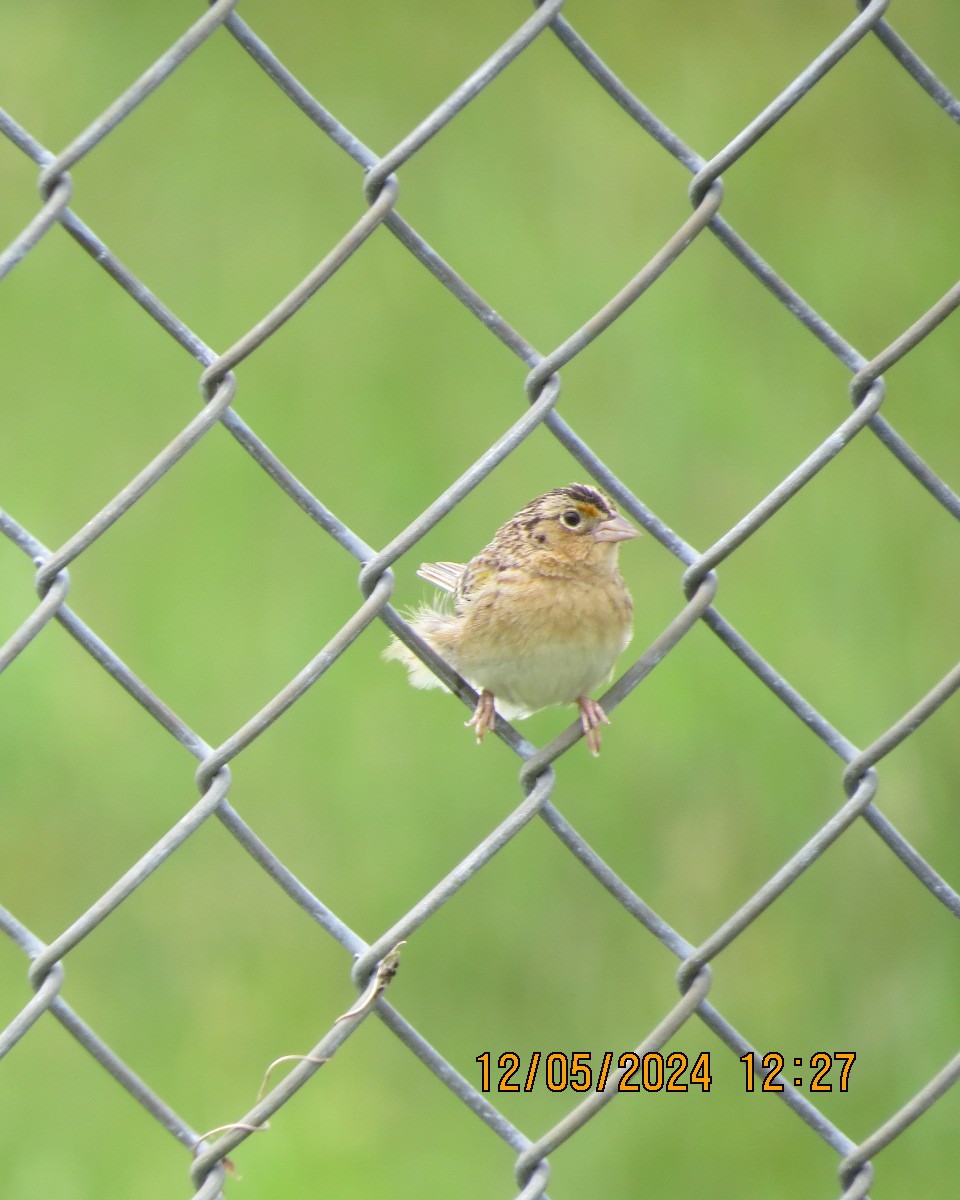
374 961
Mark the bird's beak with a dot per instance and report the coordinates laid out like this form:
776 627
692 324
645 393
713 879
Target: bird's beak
617 529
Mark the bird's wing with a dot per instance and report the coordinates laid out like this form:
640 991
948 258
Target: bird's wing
475 577
444 575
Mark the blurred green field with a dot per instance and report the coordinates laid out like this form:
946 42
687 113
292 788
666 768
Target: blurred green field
216 590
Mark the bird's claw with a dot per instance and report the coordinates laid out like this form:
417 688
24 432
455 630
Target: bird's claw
592 717
484 715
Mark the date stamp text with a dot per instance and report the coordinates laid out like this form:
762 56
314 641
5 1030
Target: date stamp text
582 1071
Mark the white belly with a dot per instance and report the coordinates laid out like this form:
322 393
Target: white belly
539 646
545 673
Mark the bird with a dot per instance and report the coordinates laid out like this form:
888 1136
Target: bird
538 617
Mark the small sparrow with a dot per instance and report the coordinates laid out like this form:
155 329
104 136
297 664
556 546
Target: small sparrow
539 616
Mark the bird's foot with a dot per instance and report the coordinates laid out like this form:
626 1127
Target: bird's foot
592 717
484 715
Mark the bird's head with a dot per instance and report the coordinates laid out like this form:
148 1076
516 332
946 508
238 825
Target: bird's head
576 524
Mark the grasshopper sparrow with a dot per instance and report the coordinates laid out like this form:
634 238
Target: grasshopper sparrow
539 616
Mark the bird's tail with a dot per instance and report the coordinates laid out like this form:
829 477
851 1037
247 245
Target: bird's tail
427 622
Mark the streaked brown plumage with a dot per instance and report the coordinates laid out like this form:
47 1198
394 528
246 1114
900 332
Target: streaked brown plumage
539 615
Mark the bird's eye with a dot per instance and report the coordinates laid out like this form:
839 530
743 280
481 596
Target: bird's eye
571 518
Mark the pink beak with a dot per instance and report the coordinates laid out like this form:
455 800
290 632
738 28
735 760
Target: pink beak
617 529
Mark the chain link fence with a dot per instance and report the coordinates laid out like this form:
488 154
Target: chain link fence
374 962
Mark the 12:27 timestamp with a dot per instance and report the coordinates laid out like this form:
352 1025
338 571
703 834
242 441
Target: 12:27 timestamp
821 1063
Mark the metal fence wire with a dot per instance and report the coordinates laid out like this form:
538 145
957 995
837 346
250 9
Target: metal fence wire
374 963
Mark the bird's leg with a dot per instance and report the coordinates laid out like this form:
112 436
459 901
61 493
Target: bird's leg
592 717
484 715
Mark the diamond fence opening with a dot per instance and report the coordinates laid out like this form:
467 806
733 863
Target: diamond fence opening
734 843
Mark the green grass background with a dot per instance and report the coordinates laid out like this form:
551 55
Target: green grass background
216 590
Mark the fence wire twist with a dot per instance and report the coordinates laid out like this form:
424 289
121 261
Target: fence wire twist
857 775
